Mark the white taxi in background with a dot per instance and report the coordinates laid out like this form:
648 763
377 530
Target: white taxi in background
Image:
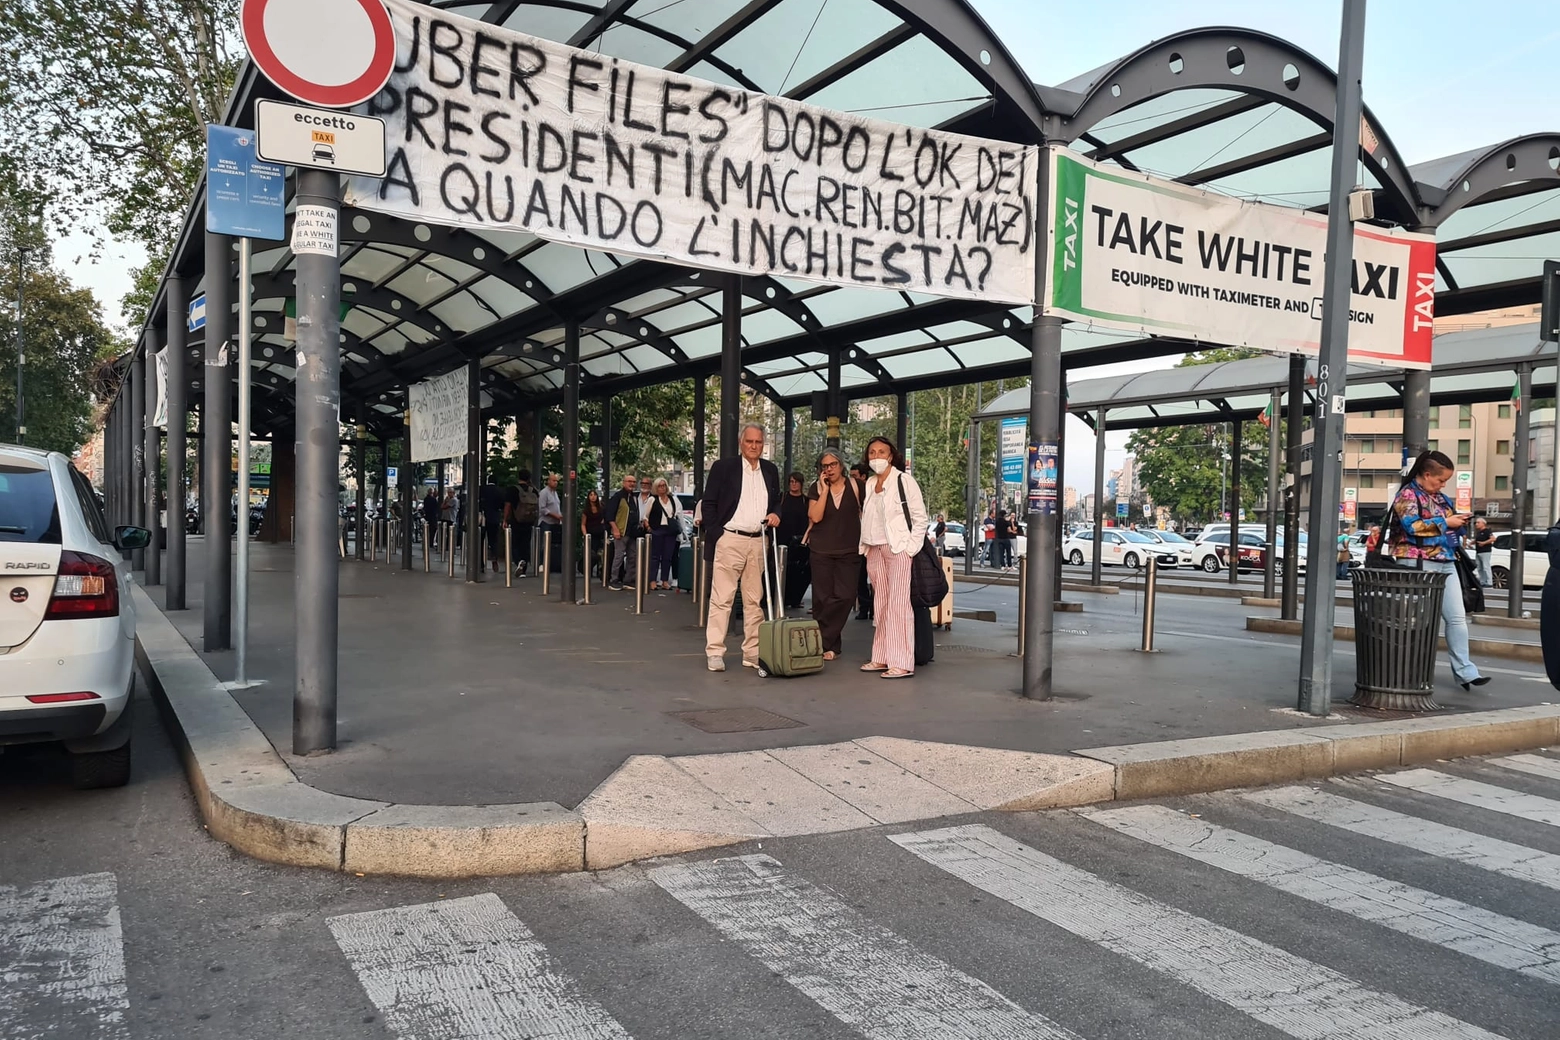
67 622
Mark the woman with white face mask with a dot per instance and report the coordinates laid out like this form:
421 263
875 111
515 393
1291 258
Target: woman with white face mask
893 529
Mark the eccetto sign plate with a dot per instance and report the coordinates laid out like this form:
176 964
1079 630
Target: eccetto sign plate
342 141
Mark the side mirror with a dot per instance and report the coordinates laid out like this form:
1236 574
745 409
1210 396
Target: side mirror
127 538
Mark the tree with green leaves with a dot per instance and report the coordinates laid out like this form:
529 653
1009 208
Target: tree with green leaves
63 335
103 107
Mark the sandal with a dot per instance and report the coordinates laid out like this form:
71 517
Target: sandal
828 655
873 666
895 673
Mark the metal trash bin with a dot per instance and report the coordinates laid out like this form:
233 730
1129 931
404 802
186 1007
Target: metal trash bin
1397 617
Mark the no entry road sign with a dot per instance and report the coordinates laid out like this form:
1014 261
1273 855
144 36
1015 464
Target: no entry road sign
332 53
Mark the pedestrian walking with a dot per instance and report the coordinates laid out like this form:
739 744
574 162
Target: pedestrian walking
893 528
660 521
1007 536
741 498
521 511
834 544
1483 543
491 501
1426 530
623 523
430 516
859 473
1344 556
549 518
793 535
593 525
940 535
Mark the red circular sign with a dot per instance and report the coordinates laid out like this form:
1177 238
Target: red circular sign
332 53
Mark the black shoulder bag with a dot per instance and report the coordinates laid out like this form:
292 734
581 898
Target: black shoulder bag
928 584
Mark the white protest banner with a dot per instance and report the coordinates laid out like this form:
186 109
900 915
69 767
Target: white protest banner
490 128
160 416
439 416
1143 254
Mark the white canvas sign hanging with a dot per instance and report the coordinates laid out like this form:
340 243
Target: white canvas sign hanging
1143 254
439 408
490 128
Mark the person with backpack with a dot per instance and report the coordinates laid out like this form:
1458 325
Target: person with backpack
521 510
1425 532
623 522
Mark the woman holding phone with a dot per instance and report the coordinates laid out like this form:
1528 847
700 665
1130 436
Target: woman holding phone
1425 532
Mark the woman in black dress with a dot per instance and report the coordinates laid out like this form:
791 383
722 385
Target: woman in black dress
834 545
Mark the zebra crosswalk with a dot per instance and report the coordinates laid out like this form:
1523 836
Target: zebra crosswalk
1260 913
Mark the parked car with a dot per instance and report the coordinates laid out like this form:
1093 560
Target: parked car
1182 547
67 622
953 539
1535 560
1211 552
1128 548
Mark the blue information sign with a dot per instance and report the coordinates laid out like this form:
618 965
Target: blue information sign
1013 449
1121 509
244 196
197 319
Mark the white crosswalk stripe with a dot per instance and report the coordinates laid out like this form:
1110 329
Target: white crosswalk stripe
468 969
1538 765
1294 995
1487 936
1437 839
865 975
62 961
1476 793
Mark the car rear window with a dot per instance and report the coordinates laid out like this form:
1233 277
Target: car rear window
28 512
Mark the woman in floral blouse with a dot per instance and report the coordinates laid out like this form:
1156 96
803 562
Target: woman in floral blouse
1425 531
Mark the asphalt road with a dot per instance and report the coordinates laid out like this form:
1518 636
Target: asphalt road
1426 907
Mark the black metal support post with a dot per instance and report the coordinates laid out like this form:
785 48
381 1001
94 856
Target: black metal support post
1520 497
1270 557
1316 642
1294 419
216 427
538 478
408 492
834 400
1061 489
571 453
901 421
606 444
972 499
476 566
178 418
730 367
151 482
361 457
1237 429
1045 422
136 442
1099 497
699 423
317 454
790 439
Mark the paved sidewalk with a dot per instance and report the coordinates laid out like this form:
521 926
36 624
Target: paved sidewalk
453 693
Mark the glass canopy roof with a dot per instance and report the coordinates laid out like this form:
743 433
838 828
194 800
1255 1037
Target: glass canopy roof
1239 112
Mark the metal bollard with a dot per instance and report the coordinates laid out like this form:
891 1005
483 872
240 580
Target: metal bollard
606 552
586 600
373 539
509 563
427 548
449 549
546 561
536 547
698 565
1150 587
641 576
1023 601
292 524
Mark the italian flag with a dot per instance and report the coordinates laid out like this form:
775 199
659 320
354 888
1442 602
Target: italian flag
1516 396
1266 418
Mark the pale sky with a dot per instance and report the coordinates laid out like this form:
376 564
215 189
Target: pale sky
1440 76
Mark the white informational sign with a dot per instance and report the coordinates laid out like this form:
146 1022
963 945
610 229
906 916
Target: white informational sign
1143 254
314 231
160 416
492 128
317 137
439 408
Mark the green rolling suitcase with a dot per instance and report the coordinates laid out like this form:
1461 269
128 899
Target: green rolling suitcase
786 646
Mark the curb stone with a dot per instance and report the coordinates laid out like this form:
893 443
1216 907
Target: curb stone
656 806
1345 633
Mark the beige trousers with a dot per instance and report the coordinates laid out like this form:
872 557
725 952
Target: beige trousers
737 560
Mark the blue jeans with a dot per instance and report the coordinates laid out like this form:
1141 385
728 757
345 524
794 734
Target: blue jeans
1456 621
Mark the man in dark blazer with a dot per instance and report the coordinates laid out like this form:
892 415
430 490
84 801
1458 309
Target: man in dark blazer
741 499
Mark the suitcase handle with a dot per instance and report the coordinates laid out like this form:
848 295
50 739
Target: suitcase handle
772 546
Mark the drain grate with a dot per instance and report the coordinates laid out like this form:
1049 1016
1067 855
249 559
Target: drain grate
965 648
734 720
1355 711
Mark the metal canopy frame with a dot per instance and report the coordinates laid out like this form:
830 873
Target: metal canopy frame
1227 86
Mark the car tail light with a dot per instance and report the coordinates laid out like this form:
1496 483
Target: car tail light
84 587
60 698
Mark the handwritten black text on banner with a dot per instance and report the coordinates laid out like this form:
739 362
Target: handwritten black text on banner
490 128
1139 253
439 416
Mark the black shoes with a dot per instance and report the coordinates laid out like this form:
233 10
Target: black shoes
1480 681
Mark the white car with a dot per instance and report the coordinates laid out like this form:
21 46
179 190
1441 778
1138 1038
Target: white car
1128 548
1182 547
1535 560
67 622
953 539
